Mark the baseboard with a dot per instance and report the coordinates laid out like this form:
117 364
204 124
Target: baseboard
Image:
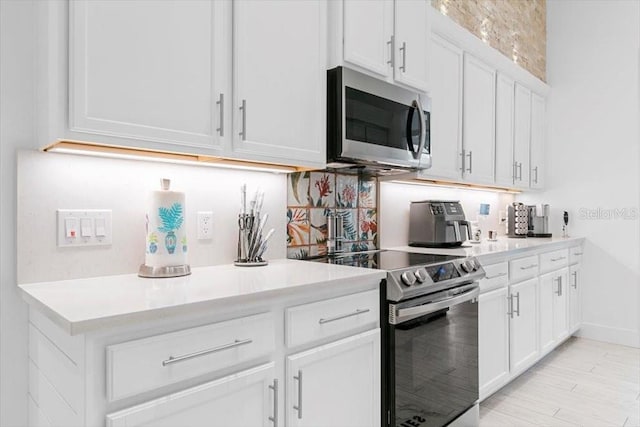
621 336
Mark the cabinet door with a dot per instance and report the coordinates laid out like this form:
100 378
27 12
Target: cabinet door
280 81
243 399
561 305
150 70
523 328
505 92
412 43
548 287
368 30
538 123
446 109
337 384
575 306
478 120
493 340
522 132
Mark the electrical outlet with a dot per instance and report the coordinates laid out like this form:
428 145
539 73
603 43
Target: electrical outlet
205 225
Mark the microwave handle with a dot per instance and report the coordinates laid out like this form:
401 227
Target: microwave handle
423 128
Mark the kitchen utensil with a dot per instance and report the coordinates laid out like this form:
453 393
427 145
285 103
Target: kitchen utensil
250 226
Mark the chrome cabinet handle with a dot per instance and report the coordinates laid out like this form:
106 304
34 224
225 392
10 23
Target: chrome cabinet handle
274 387
529 267
520 171
470 155
559 291
515 171
236 343
391 50
577 253
575 279
518 299
403 49
535 180
510 304
298 407
558 259
343 316
496 276
243 108
462 158
220 102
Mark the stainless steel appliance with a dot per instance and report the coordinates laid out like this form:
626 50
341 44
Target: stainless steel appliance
538 220
517 220
437 224
429 321
375 126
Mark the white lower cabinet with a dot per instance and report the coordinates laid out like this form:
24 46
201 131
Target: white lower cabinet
337 384
554 320
246 398
523 331
575 311
493 340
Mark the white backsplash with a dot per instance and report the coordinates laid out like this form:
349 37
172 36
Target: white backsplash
47 182
395 198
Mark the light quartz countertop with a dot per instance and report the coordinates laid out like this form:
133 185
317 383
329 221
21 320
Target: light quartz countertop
85 305
502 247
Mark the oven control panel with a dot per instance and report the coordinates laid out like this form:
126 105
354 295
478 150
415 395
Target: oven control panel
419 280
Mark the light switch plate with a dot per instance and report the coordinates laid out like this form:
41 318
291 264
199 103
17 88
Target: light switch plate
73 231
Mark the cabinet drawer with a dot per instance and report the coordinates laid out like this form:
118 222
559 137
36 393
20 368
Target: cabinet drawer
523 268
137 366
311 322
497 275
554 260
575 255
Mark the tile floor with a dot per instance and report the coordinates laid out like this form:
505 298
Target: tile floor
582 383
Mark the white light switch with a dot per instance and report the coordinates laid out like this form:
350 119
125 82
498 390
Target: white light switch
84 227
86 230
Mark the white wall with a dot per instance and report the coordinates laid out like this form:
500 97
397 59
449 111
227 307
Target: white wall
593 153
49 181
17 41
395 198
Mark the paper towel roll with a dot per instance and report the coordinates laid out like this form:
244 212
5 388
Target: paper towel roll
166 229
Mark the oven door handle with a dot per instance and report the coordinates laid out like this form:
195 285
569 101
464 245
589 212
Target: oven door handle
404 314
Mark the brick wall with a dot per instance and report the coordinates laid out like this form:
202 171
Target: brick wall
517 28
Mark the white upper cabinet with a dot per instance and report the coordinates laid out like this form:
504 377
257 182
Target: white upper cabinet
505 87
368 33
279 60
538 123
411 43
522 134
446 109
478 121
385 38
149 70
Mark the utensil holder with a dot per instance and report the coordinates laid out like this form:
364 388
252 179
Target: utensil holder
249 249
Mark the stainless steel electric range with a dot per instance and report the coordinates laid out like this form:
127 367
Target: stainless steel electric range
429 321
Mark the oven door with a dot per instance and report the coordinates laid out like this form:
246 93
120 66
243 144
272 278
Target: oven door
381 123
433 358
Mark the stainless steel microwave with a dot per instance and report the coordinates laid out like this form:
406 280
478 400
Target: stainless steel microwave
375 125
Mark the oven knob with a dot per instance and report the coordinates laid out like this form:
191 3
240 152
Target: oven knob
408 278
467 266
476 264
421 275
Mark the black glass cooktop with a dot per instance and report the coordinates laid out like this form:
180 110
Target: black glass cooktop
386 260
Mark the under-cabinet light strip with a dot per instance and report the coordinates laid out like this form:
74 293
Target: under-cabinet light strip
435 183
88 149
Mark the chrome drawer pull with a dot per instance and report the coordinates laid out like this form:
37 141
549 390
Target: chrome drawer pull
577 253
496 276
298 407
529 267
558 259
236 343
344 316
274 387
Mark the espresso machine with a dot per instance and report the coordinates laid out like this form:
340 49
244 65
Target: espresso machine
538 220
